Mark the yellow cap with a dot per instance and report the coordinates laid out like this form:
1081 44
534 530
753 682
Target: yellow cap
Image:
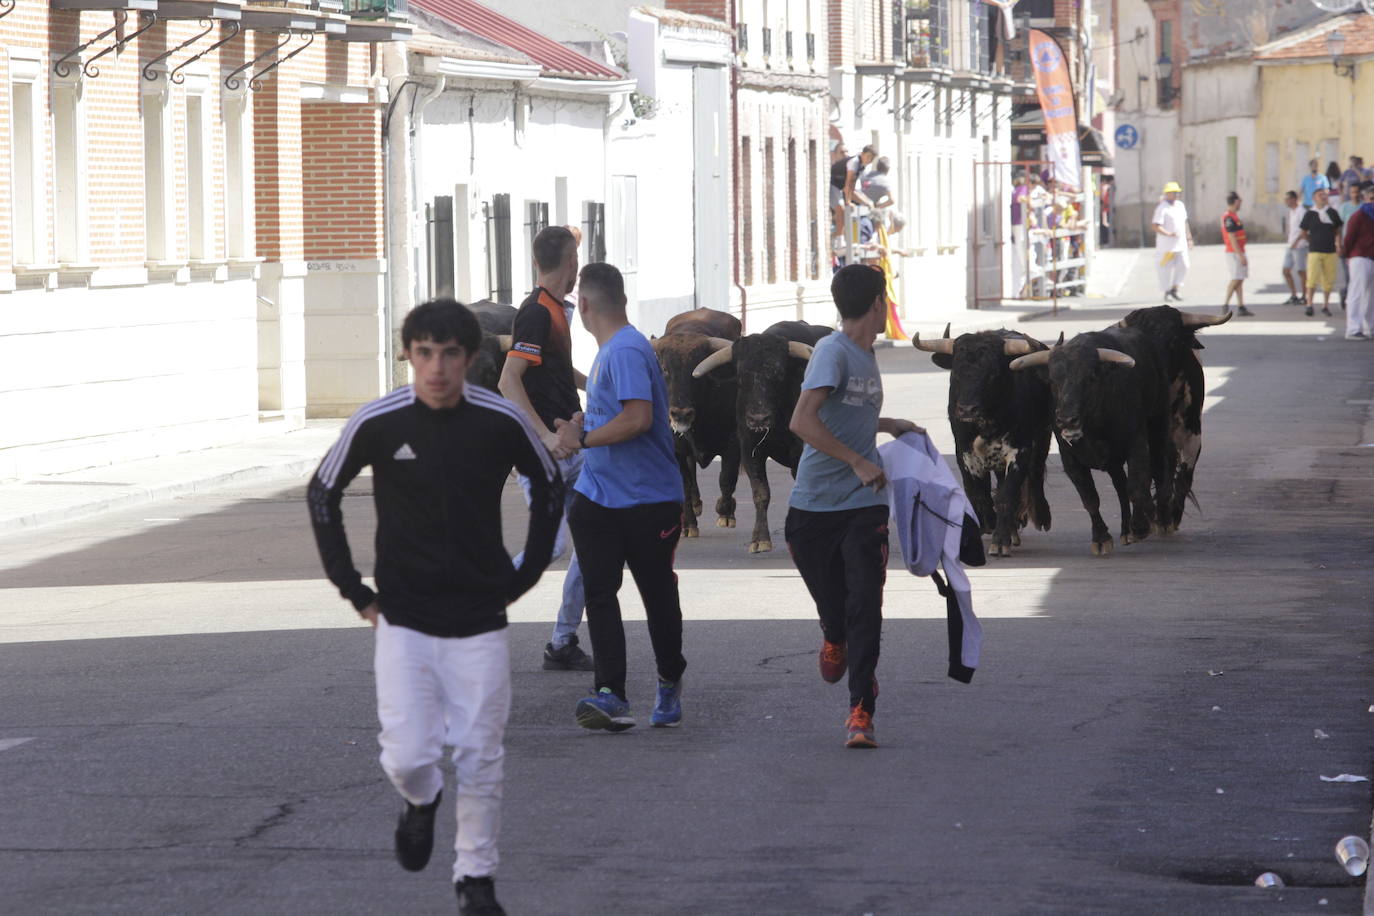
1171 187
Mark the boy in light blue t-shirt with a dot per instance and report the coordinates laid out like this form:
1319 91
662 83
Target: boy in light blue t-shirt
627 509
837 523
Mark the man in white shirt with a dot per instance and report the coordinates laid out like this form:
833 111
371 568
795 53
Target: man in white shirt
1173 238
1295 255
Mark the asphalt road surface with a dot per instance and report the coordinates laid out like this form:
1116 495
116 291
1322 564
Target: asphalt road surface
187 720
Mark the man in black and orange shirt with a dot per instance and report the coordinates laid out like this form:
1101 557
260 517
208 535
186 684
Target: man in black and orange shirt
1233 234
539 378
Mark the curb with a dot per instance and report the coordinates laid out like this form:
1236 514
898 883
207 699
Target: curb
134 495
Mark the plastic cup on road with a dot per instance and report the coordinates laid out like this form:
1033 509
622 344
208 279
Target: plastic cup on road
1269 879
1353 854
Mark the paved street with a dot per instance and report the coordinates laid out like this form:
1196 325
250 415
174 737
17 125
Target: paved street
186 719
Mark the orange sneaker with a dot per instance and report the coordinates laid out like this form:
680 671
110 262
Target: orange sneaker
834 660
860 725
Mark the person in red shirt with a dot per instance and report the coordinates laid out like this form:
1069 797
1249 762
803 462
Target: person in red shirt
1359 249
1233 234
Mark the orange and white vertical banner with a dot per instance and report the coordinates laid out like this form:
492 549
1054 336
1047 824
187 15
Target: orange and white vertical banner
1057 105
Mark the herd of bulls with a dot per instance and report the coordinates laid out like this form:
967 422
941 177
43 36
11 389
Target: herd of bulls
1126 400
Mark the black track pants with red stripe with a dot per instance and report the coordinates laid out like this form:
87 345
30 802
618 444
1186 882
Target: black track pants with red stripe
645 539
842 558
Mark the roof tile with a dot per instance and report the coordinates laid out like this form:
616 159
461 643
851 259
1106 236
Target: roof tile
491 25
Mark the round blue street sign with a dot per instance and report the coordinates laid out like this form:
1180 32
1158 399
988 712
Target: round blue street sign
1127 136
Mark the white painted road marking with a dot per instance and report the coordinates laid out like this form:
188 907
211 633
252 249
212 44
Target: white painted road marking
7 743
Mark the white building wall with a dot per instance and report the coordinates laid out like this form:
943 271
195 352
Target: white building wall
1221 101
1142 172
98 376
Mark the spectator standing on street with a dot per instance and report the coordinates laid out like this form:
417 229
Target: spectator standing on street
1107 203
1233 235
1349 205
1333 179
1359 248
1352 177
837 521
1019 206
539 379
1321 230
440 452
1295 255
1313 180
1173 238
628 505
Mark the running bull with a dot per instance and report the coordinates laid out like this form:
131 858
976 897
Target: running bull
701 410
1174 336
1001 425
768 370
1111 413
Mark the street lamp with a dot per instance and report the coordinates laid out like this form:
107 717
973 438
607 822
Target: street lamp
1335 45
1164 70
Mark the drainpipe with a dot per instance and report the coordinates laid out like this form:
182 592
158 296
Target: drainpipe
415 160
734 164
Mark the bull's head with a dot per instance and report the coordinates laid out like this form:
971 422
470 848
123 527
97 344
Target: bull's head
678 354
1169 323
1074 371
762 367
978 367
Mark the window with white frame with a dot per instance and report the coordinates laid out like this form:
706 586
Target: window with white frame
69 180
198 234
238 177
157 197
26 174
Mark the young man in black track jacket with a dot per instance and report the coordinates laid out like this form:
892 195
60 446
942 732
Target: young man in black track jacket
440 454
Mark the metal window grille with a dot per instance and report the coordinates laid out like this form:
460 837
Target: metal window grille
536 220
787 43
746 210
767 41
811 47
770 248
813 254
924 31
742 37
499 285
439 240
979 32
594 230
793 217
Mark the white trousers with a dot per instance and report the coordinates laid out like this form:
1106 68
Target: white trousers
433 691
1171 275
1359 298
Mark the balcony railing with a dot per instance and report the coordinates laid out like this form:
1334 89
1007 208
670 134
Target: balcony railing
376 9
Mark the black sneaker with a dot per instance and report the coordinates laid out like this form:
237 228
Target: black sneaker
567 658
415 834
1308 311
1244 312
1292 300
477 897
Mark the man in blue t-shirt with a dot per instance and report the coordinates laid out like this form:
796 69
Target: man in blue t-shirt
837 524
628 504
1313 180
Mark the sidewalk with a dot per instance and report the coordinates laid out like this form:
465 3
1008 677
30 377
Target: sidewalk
27 504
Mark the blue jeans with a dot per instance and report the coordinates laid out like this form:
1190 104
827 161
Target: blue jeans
570 611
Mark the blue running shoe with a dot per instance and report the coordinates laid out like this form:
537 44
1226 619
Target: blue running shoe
668 710
604 710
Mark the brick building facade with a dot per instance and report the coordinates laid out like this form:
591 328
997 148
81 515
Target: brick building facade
171 171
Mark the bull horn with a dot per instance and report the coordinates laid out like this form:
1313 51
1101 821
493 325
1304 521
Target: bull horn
719 343
1016 347
715 360
799 349
943 345
505 342
1114 356
1038 358
1060 341
1194 320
